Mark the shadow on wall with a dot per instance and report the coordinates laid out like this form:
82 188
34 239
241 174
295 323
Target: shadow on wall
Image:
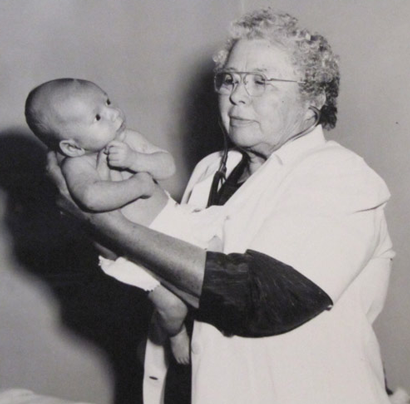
111 315
202 132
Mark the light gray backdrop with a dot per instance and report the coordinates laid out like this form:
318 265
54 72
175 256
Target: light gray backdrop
154 59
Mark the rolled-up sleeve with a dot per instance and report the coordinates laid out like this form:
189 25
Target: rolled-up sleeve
254 295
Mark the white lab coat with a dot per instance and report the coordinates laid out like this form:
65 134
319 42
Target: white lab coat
318 207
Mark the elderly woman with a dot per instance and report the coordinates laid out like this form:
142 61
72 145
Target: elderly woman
284 312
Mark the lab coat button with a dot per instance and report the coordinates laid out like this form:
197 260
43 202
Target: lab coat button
153 380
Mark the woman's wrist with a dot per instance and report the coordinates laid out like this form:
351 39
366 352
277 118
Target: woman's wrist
105 222
178 264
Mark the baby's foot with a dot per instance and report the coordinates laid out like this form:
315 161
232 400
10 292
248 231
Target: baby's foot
180 347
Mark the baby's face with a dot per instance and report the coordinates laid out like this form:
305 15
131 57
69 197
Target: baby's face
88 116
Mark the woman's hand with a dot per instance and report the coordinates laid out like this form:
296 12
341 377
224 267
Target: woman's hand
178 262
66 203
64 200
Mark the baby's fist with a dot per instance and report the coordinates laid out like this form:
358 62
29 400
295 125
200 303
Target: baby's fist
119 154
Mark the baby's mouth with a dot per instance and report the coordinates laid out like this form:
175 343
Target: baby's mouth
121 130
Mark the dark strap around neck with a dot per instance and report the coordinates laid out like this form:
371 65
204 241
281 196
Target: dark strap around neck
232 184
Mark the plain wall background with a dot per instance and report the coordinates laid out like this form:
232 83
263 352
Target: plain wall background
154 59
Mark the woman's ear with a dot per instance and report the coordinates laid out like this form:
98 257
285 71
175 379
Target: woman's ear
319 101
71 148
314 106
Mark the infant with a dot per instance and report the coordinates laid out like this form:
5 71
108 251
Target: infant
107 167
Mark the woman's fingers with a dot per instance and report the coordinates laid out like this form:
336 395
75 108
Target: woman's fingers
64 200
55 174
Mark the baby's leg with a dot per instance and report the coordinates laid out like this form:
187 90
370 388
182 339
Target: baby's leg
171 313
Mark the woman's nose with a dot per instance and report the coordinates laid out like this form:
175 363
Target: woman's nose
239 94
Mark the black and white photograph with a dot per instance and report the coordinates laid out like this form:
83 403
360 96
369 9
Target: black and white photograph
204 202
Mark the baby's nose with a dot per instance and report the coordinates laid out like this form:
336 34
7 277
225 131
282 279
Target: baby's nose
113 113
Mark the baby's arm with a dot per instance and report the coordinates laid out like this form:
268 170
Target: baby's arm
93 193
137 154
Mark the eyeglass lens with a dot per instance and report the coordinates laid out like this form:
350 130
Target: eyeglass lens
225 83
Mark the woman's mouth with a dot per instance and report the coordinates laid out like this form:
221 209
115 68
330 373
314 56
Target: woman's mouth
239 122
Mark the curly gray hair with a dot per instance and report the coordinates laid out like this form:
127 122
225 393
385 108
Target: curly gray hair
310 53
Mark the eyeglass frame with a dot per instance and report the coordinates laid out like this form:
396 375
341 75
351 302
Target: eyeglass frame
243 75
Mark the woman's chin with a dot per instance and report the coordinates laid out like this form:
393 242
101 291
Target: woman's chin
242 139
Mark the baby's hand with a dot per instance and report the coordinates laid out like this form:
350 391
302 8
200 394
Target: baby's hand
119 154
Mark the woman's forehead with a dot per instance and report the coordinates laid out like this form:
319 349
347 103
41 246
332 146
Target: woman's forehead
260 55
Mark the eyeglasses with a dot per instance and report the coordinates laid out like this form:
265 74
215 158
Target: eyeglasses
255 83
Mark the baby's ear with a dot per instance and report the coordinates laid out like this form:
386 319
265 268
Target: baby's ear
71 148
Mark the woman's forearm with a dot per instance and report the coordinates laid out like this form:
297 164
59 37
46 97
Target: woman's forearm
181 265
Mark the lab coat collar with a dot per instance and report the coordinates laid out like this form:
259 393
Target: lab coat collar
290 151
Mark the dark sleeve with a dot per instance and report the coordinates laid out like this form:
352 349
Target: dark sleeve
254 295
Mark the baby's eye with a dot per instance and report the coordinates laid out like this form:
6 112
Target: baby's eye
97 117
108 102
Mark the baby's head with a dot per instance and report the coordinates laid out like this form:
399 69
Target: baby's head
73 116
